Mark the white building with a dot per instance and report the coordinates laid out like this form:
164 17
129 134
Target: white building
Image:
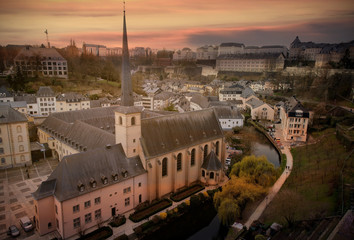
46 101
41 61
229 117
260 110
207 52
14 138
71 102
5 95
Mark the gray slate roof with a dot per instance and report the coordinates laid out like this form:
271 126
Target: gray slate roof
71 97
4 92
161 135
201 100
17 104
255 103
10 115
45 92
27 98
232 45
225 112
247 92
212 162
250 56
83 167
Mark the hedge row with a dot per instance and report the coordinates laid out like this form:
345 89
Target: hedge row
118 221
150 210
99 234
180 195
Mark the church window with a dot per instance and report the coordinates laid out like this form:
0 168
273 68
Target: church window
20 138
164 167
211 175
205 151
19 129
133 121
193 157
179 162
203 173
217 148
120 121
21 148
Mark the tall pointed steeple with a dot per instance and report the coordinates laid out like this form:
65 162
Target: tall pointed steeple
127 89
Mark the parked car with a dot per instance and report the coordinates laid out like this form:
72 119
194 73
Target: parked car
26 224
13 231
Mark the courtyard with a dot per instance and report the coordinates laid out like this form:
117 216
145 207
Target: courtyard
16 188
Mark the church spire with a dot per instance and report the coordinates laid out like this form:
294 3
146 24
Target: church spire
127 89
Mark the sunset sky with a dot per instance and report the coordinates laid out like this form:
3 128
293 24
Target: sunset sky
174 24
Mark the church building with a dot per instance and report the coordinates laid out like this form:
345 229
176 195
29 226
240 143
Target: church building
112 159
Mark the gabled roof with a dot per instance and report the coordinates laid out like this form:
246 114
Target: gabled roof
10 115
293 106
212 162
255 103
17 104
84 167
247 92
232 45
46 53
71 97
4 92
161 135
45 92
27 98
201 100
225 112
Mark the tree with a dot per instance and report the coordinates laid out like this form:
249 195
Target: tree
257 170
228 211
170 107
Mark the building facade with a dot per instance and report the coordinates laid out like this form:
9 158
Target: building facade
46 101
14 139
294 120
41 61
71 102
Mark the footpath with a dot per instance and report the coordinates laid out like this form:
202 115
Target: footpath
276 187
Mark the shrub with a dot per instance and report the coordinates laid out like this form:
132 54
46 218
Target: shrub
122 237
163 215
188 202
206 194
195 201
175 210
118 221
150 210
156 219
182 207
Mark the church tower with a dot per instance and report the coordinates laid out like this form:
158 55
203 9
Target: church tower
127 89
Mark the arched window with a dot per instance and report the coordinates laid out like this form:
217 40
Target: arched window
193 157
133 121
203 173
164 167
217 148
211 175
19 129
22 158
21 148
20 138
179 162
120 121
205 151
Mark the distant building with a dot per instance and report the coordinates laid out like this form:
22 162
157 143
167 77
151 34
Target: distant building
20 106
5 95
231 48
250 62
94 49
229 117
31 101
294 120
44 61
260 110
186 54
71 102
207 52
14 138
46 101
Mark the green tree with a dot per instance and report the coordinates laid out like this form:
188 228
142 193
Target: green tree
170 107
256 170
228 211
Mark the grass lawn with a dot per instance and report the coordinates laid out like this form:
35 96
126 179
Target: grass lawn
316 178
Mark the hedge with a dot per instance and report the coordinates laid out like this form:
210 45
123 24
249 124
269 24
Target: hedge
150 210
180 195
99 234
118 221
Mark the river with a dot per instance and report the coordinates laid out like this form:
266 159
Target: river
261 146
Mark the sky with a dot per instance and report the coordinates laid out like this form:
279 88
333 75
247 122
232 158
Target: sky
174 24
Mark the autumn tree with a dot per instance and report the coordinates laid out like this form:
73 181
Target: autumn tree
256 170
228 211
